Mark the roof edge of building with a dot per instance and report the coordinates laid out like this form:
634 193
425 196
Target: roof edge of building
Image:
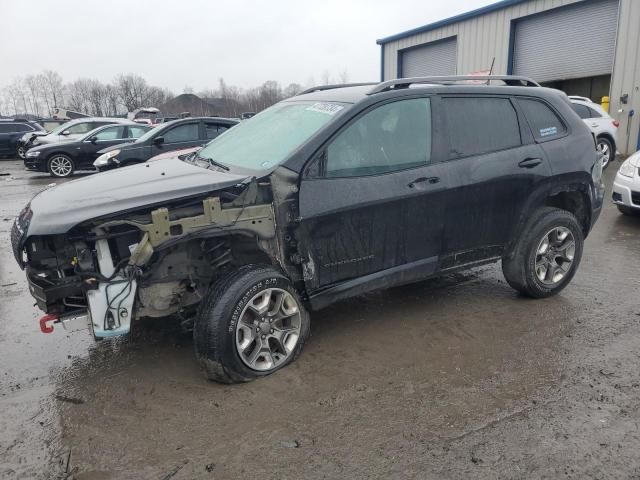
448 21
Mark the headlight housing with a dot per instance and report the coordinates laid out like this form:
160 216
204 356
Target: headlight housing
32 154
105 159
628 168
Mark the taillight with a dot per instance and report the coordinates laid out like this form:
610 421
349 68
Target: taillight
616 123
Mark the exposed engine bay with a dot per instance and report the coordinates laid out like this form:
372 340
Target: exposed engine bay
154 262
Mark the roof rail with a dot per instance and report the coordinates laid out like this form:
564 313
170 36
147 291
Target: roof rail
320 88
511 80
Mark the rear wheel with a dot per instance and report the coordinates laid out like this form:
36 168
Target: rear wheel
547 254
60 166
251 324
606 147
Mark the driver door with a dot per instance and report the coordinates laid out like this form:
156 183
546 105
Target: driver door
372 211
106 137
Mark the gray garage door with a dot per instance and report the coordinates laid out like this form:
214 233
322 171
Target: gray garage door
569 42
438 58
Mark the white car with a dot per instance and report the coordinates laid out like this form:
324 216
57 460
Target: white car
73 130
626 186
603 126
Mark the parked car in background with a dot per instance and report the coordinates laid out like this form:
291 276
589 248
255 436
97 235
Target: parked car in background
166 137
626 186
12 130
603 126
333 193
71 130
62 159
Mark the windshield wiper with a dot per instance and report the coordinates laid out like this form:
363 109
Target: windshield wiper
213 162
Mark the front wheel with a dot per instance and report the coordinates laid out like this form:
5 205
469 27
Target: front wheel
60 166
251 324
21 152
547 254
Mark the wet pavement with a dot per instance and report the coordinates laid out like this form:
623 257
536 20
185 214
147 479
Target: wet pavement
451 378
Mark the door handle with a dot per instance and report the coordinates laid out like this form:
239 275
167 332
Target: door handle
431 180
530 162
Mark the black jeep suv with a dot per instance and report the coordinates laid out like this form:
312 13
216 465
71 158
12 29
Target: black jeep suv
332 193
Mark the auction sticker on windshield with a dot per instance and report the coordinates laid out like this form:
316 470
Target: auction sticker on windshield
328 108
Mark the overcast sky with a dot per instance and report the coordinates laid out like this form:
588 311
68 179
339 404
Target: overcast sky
192 43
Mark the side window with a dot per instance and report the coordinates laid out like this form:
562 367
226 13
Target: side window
111 133
81 128
21 127
480 125
212 130
182 133
594 113
544 122
582 110
137 132
392 137
5 128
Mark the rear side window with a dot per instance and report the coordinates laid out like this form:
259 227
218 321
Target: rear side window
546 125
137 132
212 130
582 110
480 125
594 113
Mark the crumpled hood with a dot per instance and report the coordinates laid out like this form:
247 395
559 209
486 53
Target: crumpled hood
59 208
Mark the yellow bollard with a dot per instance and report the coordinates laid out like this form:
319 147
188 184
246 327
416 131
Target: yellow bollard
605 104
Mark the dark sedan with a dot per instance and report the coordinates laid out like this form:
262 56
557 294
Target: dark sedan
166 137
63 158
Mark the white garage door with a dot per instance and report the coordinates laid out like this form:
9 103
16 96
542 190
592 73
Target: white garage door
570 42
438 58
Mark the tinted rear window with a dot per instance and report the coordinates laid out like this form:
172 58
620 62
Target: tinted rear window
480 125
544 122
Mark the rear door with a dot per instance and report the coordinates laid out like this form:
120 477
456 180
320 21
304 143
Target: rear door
494 165
372 201
4 138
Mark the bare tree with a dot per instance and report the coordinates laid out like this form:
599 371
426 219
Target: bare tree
55 88
292 90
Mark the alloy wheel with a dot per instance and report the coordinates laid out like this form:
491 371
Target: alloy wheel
21 153
605 149
554 255
268 329
61 166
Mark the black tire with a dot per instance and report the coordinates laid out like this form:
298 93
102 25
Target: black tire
54 171
628 210
611 148
21 152
214 332
519 265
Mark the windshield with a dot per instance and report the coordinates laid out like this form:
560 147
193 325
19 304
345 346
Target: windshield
266 139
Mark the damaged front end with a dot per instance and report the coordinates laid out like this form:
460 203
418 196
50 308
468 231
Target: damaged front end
148 262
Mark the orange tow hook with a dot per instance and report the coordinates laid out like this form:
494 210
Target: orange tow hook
44 328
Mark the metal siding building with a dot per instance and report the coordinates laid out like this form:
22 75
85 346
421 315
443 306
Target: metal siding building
521 36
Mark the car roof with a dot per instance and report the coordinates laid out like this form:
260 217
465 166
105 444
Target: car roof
358 93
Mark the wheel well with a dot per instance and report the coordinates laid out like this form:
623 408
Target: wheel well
574 202
610 138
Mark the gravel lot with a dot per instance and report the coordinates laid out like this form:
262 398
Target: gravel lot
451 378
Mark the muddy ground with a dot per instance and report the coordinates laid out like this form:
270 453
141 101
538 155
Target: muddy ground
451 378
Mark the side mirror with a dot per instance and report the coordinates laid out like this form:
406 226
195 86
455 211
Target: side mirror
158 140
93 139
65 132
